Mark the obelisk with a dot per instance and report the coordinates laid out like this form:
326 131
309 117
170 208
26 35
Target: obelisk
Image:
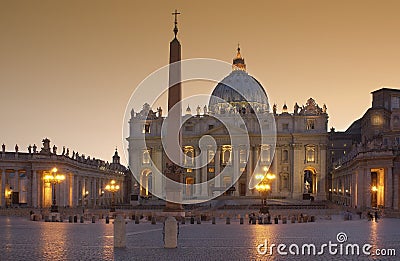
173 171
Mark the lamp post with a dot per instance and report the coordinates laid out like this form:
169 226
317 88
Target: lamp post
264 186
54 179
112 187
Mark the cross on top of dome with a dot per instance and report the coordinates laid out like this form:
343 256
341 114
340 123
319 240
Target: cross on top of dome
238 61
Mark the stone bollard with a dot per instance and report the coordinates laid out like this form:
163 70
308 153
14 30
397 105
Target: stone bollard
170 233
119 232
213 220
192 220
93 219
107 220
284 220
198 220
276 219
228 220
241 221
82 220
75 219
153 220
137 220
70 219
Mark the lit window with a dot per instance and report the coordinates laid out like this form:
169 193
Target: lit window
310 124
376 120
189 153
146 157
226 154
310 154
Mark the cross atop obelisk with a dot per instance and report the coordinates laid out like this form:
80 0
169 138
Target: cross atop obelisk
176 22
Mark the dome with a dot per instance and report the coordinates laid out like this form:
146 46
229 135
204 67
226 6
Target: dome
240 90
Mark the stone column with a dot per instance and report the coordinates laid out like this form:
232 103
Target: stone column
218 167
388 197
198 173
396 189
204 171
367 185
236 168
39 174
3 187
298 160
249 168
321 178
34 192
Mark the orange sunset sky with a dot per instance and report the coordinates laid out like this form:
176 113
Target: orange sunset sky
68 68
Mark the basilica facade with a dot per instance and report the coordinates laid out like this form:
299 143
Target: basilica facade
297 155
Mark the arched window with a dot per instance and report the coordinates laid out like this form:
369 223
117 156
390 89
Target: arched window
285 156
226 154
189 153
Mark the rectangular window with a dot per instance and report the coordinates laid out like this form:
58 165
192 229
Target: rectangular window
146 128
285 126
211 156
395 102
210 127
265 153
146 157
243 156
189 128
310 154
310 124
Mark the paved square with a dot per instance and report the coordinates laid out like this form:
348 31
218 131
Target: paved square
27 240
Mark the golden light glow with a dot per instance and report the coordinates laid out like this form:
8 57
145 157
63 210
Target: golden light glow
374 189
271 176
263 187
265 168
54 177
112 187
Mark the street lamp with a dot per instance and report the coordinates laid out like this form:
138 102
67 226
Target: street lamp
112 187
54 179
264 186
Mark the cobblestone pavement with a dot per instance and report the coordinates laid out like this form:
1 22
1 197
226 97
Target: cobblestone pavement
21 239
